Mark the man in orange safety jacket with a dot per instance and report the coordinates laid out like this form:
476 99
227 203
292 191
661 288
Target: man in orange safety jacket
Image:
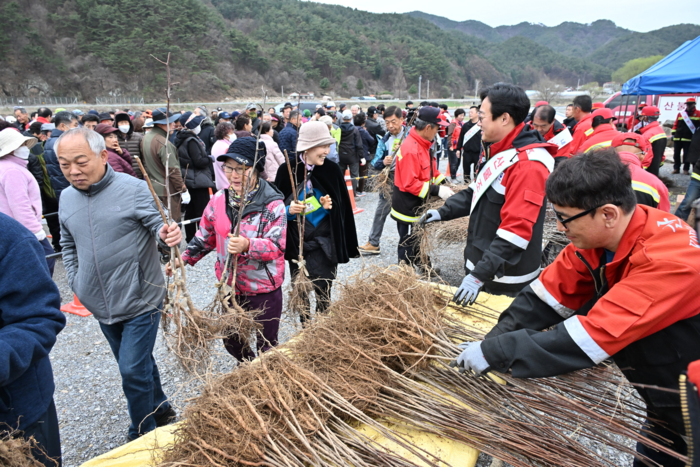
652 131
581 131
626 288
603 131
416 178
649 190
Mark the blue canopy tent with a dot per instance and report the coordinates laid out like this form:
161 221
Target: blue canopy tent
674 74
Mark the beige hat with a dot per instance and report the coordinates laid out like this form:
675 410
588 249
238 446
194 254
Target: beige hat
314 134
11 139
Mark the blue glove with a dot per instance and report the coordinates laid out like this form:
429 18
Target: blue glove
468 291
471 358
431 216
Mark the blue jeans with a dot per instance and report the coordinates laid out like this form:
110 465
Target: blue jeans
691 195
132 344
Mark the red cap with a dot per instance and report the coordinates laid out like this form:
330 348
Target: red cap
598 105
642 104
539 103
104 129
605 113
694 373
639 141
651 111
691 100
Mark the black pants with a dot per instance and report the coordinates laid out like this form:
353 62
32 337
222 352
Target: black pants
676 443
50 205
469 158
363 173
322 288
45 432
199 201
409 246
453 160
679 146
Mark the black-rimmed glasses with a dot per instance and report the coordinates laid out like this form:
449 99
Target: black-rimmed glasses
563 221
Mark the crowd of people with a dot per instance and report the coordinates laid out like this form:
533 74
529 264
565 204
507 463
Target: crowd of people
243 182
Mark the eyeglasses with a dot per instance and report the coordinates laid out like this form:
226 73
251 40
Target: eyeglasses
239 170
563 221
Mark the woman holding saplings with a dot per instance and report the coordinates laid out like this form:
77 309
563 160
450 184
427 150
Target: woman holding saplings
259 247
330 237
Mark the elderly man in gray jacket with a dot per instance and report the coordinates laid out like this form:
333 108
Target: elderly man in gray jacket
109 228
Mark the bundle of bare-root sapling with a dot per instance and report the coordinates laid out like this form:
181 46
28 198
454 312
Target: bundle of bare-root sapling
17 451
383 183
302 285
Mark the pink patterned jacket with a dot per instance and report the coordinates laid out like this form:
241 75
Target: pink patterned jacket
261 268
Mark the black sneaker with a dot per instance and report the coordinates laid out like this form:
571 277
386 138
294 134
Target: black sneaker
130 439
166 418
164 256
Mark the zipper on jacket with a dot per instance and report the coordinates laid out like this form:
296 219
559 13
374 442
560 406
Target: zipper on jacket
684 386
94 252
598 290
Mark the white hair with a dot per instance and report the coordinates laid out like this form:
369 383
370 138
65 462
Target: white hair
95 140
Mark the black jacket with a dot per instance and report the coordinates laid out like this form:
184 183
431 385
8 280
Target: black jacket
569 123
474 144
195 164
374 129
503 261
350 149
341 233
207 134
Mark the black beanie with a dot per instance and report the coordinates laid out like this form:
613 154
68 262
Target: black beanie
242 150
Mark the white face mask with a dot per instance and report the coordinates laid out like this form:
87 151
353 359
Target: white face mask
197 130
124 128
22 153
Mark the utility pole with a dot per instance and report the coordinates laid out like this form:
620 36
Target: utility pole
420 79
428 93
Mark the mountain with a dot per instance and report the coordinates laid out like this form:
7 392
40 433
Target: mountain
601 42
88 49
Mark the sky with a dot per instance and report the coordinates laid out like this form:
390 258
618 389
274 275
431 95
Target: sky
637 15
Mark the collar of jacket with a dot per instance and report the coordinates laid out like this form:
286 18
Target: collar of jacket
648 127
16 160
584 119
422 142
604 127
95 188
522 139
290 124
627 243
158 131
55 133
630 158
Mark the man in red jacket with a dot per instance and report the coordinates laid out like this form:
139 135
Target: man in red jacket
649 190
625 288
683 130
416 178
505 202
656 136
603 131
582 130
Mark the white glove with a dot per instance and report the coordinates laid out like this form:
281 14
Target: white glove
471 358
363 161
468 291
431 216
185 198
445 192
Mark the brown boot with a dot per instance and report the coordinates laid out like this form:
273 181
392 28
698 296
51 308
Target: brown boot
685 172
675 171
369 249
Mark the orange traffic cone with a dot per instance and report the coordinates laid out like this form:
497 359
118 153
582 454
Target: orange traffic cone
76 308
351 193
447 172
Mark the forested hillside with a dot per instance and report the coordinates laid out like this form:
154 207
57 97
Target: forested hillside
601 42
96 48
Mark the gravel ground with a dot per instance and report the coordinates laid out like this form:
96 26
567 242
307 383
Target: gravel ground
91 406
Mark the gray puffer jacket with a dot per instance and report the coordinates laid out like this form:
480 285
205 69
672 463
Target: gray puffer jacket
108 235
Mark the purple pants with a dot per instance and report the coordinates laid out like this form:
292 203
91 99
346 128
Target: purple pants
271 305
